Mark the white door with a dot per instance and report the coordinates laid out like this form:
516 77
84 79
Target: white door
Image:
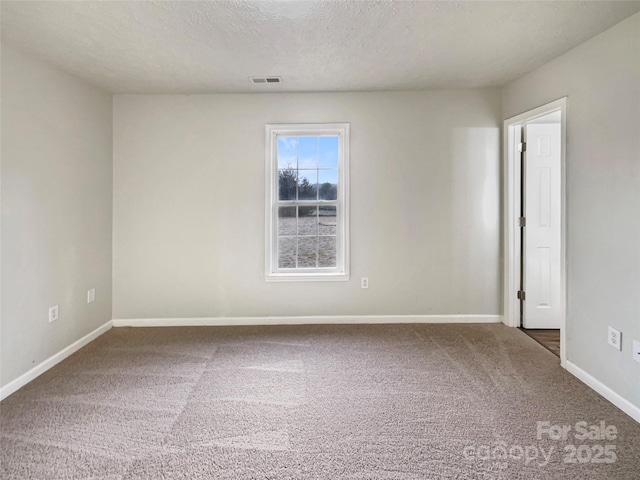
542 233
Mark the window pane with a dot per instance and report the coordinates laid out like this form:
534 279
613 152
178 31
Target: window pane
327 252
329 152
306 169
287 252
328 184
287 184
287 221
307 249
287 153
307 220
307 185
327 220
308 152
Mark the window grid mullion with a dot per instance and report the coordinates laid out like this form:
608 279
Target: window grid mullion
296 237
297 200
317 206
317 233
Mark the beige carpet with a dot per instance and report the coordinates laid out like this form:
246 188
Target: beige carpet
318 402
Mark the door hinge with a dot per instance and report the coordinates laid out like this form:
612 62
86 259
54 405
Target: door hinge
522 222
521 295
522 147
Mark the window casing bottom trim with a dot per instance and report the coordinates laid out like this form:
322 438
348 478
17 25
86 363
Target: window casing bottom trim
307 277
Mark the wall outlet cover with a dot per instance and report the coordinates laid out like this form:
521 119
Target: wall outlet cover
614 338
53 313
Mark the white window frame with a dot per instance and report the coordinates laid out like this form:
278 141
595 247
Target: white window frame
341 271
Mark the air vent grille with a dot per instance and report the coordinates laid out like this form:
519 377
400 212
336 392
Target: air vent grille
262 80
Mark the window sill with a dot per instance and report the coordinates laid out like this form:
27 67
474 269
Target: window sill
307 277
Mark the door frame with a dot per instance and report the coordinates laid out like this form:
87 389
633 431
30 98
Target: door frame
511 212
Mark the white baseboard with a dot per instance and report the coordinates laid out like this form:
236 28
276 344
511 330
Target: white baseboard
622 403
310 320
39 369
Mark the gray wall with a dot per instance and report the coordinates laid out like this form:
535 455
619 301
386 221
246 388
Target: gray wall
601 79
189 204
56 210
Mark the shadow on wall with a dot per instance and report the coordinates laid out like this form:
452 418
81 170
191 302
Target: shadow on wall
475 216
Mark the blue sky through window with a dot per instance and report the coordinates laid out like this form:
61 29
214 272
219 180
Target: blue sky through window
307 152
329 152
287 152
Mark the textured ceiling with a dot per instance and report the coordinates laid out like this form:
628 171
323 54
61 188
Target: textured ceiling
214 46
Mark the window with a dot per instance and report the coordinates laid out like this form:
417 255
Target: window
307 202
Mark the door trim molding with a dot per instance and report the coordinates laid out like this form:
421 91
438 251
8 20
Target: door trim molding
511 199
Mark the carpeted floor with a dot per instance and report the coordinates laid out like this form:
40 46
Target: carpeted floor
317 402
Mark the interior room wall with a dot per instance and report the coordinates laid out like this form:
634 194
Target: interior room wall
56 210
601 79
189 175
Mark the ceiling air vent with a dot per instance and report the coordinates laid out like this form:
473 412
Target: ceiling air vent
266 79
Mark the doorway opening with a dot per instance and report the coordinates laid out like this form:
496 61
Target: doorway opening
535 224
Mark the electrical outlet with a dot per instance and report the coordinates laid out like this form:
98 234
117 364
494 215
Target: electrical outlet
615 338
636 351
364 282
91 295
53 313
